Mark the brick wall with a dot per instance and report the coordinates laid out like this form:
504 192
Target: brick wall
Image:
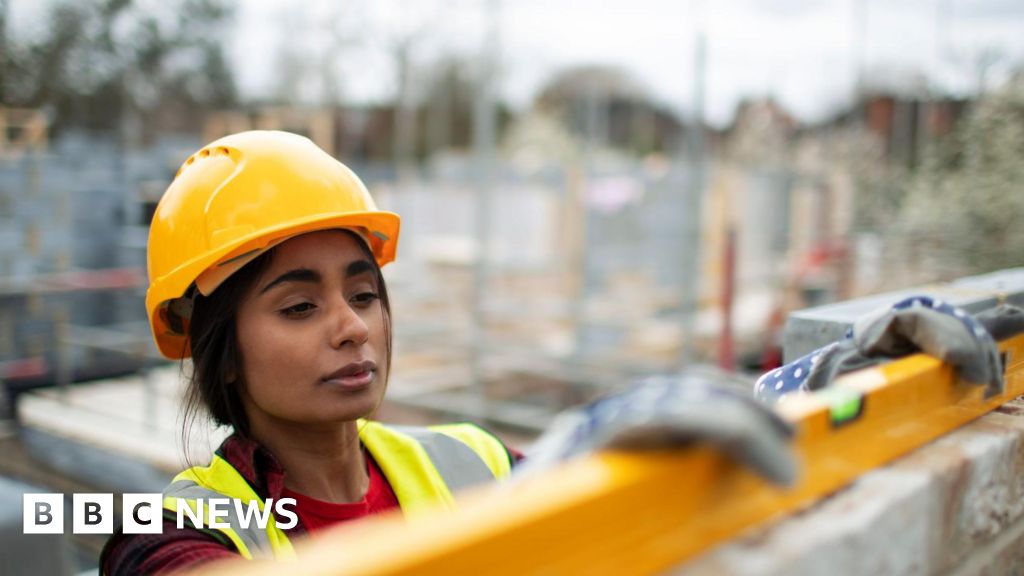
955 506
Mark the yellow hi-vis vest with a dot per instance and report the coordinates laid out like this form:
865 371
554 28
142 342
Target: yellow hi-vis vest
423 465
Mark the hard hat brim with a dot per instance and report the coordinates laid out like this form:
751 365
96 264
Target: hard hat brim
382 235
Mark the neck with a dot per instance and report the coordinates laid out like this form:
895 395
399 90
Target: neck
322 462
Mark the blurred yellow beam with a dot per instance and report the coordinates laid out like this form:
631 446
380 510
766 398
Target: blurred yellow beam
616 513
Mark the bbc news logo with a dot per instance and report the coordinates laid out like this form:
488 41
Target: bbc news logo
143 513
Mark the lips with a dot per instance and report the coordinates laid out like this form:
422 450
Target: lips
352 376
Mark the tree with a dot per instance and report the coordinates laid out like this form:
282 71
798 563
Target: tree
610 107
101 61
965 203
447 107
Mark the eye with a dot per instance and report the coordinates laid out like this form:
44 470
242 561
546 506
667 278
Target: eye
299 310
365 298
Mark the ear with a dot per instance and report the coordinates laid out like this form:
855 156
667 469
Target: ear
230 375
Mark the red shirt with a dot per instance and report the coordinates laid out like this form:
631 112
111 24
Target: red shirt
316 514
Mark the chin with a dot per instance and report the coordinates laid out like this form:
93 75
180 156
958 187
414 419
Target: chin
353 410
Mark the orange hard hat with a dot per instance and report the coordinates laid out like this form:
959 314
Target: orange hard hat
238 197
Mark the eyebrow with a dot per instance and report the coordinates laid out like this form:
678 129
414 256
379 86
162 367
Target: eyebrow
310 276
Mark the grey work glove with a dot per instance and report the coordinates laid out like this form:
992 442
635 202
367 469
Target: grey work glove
1002 322
914 324
670 411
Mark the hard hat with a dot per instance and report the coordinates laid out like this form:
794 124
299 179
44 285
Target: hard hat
236 198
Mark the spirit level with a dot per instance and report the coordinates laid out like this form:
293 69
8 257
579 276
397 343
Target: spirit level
616 513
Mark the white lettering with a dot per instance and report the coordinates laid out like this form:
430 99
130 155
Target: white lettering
43 513
279 508
185 508
219 509
246 511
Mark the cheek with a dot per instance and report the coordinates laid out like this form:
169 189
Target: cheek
379 340
272 355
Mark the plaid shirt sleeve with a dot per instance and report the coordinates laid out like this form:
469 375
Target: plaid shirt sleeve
130 554
178 549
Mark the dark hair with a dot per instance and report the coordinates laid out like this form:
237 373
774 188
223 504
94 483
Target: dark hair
213 338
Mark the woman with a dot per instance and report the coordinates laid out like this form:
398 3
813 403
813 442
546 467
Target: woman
264 264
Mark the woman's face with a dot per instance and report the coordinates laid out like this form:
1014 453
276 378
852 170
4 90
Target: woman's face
311 332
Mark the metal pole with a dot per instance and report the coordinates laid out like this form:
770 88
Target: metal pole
62 335
3 49
595 136
693 200
484 135
859 51
726 354
404 139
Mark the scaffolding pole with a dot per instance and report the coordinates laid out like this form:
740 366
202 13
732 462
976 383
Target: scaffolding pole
484 136
693 206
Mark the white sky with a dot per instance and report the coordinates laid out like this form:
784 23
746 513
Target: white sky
803 52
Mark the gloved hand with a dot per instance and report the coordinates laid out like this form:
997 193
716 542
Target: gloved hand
670 411
914 324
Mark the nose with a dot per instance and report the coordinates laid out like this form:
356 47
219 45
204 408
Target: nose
347 326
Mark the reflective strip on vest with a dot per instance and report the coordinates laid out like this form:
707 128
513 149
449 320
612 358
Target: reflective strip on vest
459 466
255 539
484 444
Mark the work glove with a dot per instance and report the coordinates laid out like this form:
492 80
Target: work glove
672 411
915 324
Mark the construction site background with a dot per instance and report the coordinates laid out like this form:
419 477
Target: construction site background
550 252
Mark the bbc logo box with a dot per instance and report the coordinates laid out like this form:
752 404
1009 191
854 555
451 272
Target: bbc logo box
143 513
92 513
43 514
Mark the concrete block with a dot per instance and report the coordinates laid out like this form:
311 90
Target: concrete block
953 506
885 513
809 329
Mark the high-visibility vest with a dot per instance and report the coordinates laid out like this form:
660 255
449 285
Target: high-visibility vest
423 465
